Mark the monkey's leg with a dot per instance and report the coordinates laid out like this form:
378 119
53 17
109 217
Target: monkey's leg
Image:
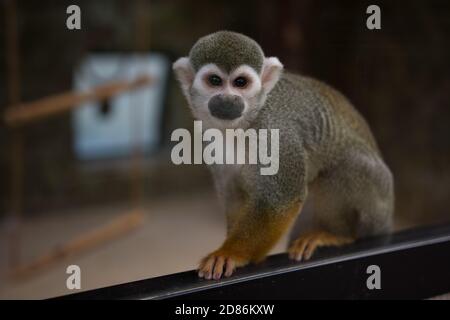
351 201
304 246
251 238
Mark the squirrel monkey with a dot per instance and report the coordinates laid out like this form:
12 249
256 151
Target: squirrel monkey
326 150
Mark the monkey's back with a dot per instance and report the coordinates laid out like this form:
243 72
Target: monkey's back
324 119
343 164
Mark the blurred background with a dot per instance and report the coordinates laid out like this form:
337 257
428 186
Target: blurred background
87 178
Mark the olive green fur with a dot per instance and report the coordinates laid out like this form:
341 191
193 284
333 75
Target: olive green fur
327 154
227 50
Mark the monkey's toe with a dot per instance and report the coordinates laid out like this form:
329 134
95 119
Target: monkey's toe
216 265
304 247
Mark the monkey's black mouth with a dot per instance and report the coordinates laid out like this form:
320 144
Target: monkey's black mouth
226 107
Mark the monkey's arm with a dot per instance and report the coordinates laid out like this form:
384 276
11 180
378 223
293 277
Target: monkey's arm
251 238
258 231
269 207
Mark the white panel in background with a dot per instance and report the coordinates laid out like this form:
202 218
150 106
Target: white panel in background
133 117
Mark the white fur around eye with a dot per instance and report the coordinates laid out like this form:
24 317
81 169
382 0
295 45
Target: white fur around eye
200 83
254 85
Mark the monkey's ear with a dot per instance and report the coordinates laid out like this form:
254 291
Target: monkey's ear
271 72
184 73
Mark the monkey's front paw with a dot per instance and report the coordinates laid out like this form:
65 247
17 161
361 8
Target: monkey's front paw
219 263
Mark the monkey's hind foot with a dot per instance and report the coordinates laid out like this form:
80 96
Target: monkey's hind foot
304 247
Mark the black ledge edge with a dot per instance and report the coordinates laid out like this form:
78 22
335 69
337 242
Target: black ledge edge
415 264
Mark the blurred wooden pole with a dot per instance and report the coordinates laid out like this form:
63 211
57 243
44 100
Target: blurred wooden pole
142 27
119 226
142 20
23 113
16 155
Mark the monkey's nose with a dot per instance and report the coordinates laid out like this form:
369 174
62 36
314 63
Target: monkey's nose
226 107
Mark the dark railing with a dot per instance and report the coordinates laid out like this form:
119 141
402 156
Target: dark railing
413 264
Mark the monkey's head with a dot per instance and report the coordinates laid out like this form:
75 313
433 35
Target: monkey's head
226 79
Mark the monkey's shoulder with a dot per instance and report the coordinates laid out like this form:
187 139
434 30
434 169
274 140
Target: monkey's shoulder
296 100
307 102
303 91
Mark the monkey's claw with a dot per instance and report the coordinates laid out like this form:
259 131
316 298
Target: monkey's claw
215 265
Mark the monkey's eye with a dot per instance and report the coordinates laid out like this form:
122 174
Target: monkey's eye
240 82
215 80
